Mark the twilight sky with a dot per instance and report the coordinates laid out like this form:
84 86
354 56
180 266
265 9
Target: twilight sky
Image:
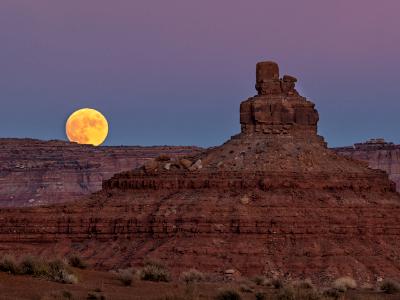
175 72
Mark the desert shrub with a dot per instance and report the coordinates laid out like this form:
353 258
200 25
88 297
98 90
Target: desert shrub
154 271
260 280
34 266
296 293
67 295
246 289
125 276
260 296
95 296
192 276
171 297
344 283
276 283
304 284
8 264
57 271
228 295
331 294
390 286
77 262
286 293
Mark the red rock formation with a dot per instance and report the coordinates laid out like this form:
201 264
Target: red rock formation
273 199
378 154
34 172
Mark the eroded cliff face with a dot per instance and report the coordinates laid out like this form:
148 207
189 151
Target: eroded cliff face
272 199
34 172
378 154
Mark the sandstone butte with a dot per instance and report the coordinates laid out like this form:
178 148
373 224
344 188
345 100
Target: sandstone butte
271 200
34 172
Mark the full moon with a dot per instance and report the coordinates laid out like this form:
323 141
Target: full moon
87 126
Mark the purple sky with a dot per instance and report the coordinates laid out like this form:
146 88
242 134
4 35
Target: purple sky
174 72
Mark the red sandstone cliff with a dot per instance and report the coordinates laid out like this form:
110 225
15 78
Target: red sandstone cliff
273 199
34 172
378 154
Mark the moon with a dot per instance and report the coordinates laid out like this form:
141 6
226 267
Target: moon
87 126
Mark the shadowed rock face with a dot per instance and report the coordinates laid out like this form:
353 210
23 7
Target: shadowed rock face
34 172
272 199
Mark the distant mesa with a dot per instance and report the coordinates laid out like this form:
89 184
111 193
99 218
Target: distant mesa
272 200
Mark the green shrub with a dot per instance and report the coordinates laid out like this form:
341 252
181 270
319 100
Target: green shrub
228 295
390 286
154 271
8 264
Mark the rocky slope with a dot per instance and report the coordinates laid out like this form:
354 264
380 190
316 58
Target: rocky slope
34 172
378 154
273 199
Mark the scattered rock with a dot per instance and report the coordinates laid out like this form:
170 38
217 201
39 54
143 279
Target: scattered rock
185 163
196 166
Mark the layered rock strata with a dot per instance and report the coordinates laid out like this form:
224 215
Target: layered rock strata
379 154
272 200
34 172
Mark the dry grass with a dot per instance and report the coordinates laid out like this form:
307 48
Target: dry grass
390 286
228 295
291 292
192 276
54 270
342 284
125 276
154 271
9 265
77 262
260 280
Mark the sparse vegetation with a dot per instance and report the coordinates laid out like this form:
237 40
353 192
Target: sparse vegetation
390 286
34 266
246 289
54 270
298 293
260 296
228 295
9 265
67 295
260 280
95 296
332 293
77 262
125 276
276 283
192 276
154 271
342 284
304 284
